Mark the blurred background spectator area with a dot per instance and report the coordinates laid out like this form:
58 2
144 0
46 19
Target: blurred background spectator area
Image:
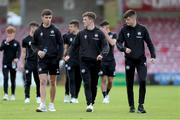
161 17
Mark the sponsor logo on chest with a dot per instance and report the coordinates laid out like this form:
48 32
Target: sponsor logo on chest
139 35
52 33
71 39
96 36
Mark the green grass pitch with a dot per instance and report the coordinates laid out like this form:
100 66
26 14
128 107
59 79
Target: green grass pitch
162 102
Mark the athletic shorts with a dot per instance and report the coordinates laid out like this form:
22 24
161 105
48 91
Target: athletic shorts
108 69
48 66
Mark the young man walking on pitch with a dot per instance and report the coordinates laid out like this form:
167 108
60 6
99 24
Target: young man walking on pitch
131 41
92 47
29 64
108 63
48 45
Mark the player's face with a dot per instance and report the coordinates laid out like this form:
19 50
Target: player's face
33 29
71 28
130 21
46 19
11 36
106 28
86 21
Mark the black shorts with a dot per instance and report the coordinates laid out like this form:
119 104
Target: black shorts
48 66
108 69
31 65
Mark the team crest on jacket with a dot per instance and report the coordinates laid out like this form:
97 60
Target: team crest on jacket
15 44
139 33
52 31
5 66
29 43
95 35
41 34
128 34
85 36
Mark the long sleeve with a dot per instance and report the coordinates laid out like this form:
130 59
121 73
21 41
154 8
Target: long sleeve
74 45
35 42
149 44
60 44
105 46
18 53
120 42
2 45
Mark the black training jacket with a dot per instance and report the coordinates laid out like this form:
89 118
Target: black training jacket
134 38
48 40
11 50
91 43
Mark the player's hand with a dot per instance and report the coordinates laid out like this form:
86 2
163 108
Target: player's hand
153 60
103 30
66 58
99 57
8 40
128 50
21 67
41 54
15 60
61 64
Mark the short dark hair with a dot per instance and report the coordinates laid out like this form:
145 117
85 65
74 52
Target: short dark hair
46 12
129 13
33 24
104 23
90 14
74 22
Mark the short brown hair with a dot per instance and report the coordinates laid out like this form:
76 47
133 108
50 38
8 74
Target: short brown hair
33 24
74 22
104 23
10 29
129 13
46 12
91 15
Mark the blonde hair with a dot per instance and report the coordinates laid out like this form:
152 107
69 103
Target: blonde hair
10 29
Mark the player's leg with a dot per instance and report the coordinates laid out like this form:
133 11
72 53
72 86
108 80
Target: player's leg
85 73
43 77
53 71
103 74
104 88
5 82
130 70
52 88
27 84
94 79
37 82
78 80
111 74
67 95
72 87
109 85
13 83
142 73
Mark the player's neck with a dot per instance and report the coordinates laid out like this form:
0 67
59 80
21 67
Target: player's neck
91 26
76 32
31 34
9 39
135 23
46 25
